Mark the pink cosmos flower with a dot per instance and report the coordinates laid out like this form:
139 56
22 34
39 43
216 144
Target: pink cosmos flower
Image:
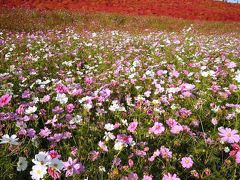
53 173
45 132
157 128
183 112
103 146
70 108
238 157
130 163
232 87
5 99
187 162
72 167
21 109
124 138
88 80
147 177
169 176
60 88
132 126
176 129
45 98
171 122
94 155
215 88
165 152
236 148
228 135
54 154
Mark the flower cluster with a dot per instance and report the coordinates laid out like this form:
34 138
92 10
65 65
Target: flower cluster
112 105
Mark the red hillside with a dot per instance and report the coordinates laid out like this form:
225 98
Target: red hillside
187 9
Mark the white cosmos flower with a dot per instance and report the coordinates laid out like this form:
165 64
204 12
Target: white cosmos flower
11 140
118 146
108 136
56 164
87 106
22 164
31 110
237 78
42 158
62 98
76 120
109 127
38 172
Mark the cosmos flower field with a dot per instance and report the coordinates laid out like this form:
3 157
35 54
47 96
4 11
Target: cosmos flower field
114 105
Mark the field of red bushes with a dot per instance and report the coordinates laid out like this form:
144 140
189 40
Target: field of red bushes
186 9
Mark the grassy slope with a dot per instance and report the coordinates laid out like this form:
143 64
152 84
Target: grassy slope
30 20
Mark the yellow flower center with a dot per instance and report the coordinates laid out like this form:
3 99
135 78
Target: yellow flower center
38 172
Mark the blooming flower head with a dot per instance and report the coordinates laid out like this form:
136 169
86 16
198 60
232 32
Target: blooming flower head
187 162
169 176
109 127
237 77
11 140
238 157
157 128
22 164
124 138
228 135
118 146
145 177
171 122
42 158
236 148
45 132
38 172
54 154
165 152
132 126
176 129
73 167
5 99
31 110
56 164
102 145
53 173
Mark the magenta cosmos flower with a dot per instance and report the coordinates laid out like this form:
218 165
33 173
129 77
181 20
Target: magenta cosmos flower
228 135
5 99
187 162
169 176
72 167
157 128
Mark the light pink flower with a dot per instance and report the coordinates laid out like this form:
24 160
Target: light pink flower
171 122
103 146
45 98
228 135
169 176
238 157
147 177
5 99
187 162
165 152
132 126
157 128
176 129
